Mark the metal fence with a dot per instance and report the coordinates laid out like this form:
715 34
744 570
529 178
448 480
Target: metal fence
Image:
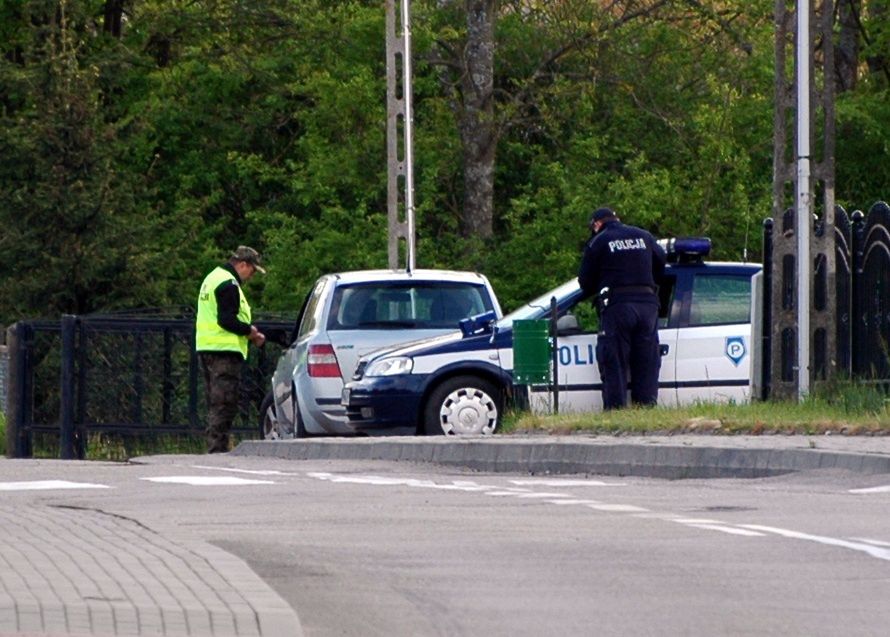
4 374
860 299
130 375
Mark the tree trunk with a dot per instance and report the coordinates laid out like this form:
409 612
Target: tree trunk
847 52
477 125
114 11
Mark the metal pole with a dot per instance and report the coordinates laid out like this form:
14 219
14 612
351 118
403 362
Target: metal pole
68 388
16 432
409 131
554 317
803 199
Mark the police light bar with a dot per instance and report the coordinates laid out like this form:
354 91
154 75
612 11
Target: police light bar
686 249
478 324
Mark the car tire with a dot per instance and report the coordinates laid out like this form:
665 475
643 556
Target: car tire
300 429
463 405
268 421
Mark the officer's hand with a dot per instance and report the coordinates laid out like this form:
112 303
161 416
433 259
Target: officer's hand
256 337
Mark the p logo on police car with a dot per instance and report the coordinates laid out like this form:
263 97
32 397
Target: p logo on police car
735 349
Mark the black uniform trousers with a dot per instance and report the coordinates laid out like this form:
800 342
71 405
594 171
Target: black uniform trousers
627 349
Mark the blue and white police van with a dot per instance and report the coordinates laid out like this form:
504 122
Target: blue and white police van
460 383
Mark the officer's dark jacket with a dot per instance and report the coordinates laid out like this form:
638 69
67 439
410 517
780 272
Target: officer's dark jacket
623 258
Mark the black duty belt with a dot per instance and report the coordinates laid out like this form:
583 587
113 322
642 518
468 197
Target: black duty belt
633 289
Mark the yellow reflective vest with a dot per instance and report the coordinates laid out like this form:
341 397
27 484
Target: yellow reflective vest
209 336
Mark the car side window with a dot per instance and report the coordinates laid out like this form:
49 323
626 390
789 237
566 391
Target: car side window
666 290
311 313
720 299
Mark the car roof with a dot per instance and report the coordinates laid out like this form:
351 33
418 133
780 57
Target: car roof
705 265
373 276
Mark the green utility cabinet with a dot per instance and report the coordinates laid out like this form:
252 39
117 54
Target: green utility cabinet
531 352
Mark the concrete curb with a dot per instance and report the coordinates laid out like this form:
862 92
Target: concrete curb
655 457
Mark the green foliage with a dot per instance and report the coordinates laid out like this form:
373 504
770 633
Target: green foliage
132 163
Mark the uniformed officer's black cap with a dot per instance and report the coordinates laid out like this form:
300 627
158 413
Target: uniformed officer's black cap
599 214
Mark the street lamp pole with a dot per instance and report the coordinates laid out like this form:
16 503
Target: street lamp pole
803 197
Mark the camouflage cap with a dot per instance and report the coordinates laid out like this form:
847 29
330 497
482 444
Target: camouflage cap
249 255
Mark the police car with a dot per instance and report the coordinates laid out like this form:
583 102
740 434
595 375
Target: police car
460 383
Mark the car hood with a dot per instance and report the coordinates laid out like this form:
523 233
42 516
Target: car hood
412 348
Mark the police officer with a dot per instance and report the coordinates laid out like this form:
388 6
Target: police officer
621 267
222 331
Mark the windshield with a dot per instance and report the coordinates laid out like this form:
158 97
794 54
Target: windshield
539 308
411 304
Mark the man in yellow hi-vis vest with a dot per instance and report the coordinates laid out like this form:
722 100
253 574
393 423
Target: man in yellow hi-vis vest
222 331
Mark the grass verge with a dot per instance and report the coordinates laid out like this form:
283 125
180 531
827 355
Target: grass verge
854 413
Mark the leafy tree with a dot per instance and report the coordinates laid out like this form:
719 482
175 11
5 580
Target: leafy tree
76 220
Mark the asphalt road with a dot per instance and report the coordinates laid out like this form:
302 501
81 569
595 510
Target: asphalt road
383 548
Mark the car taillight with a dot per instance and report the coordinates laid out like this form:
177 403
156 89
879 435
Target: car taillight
322 362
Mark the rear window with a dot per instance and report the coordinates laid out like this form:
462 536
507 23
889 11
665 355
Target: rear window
720 299
385 305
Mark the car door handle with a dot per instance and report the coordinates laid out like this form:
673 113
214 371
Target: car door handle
664 349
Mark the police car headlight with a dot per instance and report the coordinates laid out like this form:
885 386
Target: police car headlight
390 366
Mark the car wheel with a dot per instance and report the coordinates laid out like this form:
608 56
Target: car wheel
268 421
464 405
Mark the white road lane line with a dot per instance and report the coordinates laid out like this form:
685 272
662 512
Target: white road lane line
268 472
617 508
44 485
207 481
872 542
461 485
875 548
553 482
725 529
874 551
882 489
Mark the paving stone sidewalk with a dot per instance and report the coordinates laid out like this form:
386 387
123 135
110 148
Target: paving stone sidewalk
82 572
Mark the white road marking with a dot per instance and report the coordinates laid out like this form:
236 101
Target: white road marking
726 529
617 508
43 485
882 489
462 485
874 548
268 472
874 551
868 541
207 481
552 482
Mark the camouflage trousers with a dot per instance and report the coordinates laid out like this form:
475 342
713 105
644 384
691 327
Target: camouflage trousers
222 375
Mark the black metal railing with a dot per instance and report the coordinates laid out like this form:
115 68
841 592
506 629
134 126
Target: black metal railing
131 375
861 298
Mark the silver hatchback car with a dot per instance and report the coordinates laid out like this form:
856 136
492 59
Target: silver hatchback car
348 315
